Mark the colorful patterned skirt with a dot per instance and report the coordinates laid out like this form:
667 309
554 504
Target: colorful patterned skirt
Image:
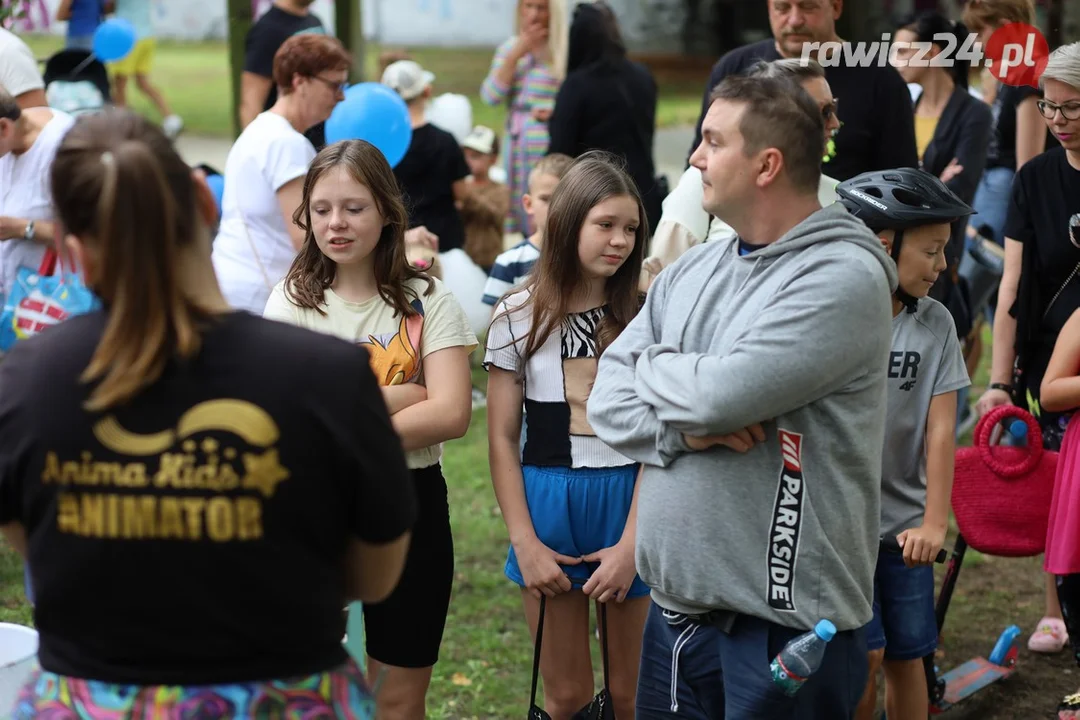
341 693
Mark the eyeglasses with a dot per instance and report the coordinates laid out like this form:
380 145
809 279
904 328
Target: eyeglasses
828 111
1074 230
1069 111
332 84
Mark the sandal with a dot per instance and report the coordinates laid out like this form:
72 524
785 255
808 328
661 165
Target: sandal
1049 637
1071 705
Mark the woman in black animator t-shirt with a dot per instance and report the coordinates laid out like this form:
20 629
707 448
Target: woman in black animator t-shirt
198 491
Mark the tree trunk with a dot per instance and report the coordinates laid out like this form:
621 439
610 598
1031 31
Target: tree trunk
349 22
240 19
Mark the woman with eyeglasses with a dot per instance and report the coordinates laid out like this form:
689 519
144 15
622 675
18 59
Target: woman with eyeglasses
264 173
1040 287
952 130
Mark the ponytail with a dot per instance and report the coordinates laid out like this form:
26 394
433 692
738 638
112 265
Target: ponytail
143 215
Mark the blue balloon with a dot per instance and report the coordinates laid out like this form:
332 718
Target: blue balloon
375 113
216 183
114 40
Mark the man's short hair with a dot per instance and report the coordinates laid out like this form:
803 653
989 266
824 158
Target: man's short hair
779 114
787 68
556 165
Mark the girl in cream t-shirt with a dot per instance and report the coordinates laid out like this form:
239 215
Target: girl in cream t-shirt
351 280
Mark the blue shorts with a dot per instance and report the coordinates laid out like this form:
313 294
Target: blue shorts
904 621
577 511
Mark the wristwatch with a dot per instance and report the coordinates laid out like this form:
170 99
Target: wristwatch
1002 386
28 234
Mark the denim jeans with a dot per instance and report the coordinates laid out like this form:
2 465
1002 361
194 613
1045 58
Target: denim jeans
699 671
991 205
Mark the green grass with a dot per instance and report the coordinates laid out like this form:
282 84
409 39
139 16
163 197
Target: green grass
194 78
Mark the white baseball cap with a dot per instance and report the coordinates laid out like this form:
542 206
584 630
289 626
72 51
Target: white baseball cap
481 139
407 78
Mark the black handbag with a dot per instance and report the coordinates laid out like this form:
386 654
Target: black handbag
600 707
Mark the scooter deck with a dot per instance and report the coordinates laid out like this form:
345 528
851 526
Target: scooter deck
965 680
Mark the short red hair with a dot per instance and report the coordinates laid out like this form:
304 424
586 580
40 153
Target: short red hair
308 55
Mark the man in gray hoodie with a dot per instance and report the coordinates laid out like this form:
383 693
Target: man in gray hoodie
752 386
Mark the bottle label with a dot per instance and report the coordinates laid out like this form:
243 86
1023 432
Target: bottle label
788 681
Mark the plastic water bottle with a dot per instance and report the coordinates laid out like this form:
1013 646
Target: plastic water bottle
801 657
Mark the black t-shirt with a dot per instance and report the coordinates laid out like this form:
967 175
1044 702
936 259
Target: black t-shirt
264 39
874 105
1045 199
1001 152
427 173
611 107
197 534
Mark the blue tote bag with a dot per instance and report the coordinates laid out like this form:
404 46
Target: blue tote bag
42 298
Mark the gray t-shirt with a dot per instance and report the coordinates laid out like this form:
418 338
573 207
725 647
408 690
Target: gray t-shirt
925 360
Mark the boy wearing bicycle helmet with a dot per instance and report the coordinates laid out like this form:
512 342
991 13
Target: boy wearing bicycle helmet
911 211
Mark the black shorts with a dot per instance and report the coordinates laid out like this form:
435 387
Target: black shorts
406 629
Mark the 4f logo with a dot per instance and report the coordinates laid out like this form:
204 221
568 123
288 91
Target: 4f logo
904 365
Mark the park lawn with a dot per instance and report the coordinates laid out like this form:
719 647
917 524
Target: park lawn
484 670
194 78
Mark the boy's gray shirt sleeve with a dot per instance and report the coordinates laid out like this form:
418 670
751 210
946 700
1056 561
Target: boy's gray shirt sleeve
617 414
807 343
952 372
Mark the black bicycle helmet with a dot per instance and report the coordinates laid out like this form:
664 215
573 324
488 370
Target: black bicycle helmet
900 199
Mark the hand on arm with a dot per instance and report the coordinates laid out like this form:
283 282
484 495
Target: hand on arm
786 359
446 412
538 563
921 545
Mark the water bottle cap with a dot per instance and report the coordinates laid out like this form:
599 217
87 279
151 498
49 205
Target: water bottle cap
825 630
1018 429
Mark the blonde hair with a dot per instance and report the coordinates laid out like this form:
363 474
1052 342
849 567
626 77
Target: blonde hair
558 34
1063 65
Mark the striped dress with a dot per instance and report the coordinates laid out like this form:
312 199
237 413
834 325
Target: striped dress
534 86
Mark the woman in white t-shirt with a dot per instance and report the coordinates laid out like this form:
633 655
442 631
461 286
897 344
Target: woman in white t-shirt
28 142
264 173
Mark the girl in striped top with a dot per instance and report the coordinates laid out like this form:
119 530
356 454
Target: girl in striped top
567 498
525 74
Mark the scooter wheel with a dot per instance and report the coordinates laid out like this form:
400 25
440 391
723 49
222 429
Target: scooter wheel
1003 645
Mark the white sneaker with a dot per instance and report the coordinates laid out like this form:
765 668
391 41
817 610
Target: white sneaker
172 126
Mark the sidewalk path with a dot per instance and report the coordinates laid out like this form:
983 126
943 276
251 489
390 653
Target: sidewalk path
671 148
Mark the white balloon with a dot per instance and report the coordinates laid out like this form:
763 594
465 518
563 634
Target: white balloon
466 281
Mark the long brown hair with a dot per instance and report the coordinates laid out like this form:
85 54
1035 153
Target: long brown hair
312 271
557 275
120 187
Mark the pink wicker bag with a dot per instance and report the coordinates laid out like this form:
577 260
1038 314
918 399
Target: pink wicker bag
1001 495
